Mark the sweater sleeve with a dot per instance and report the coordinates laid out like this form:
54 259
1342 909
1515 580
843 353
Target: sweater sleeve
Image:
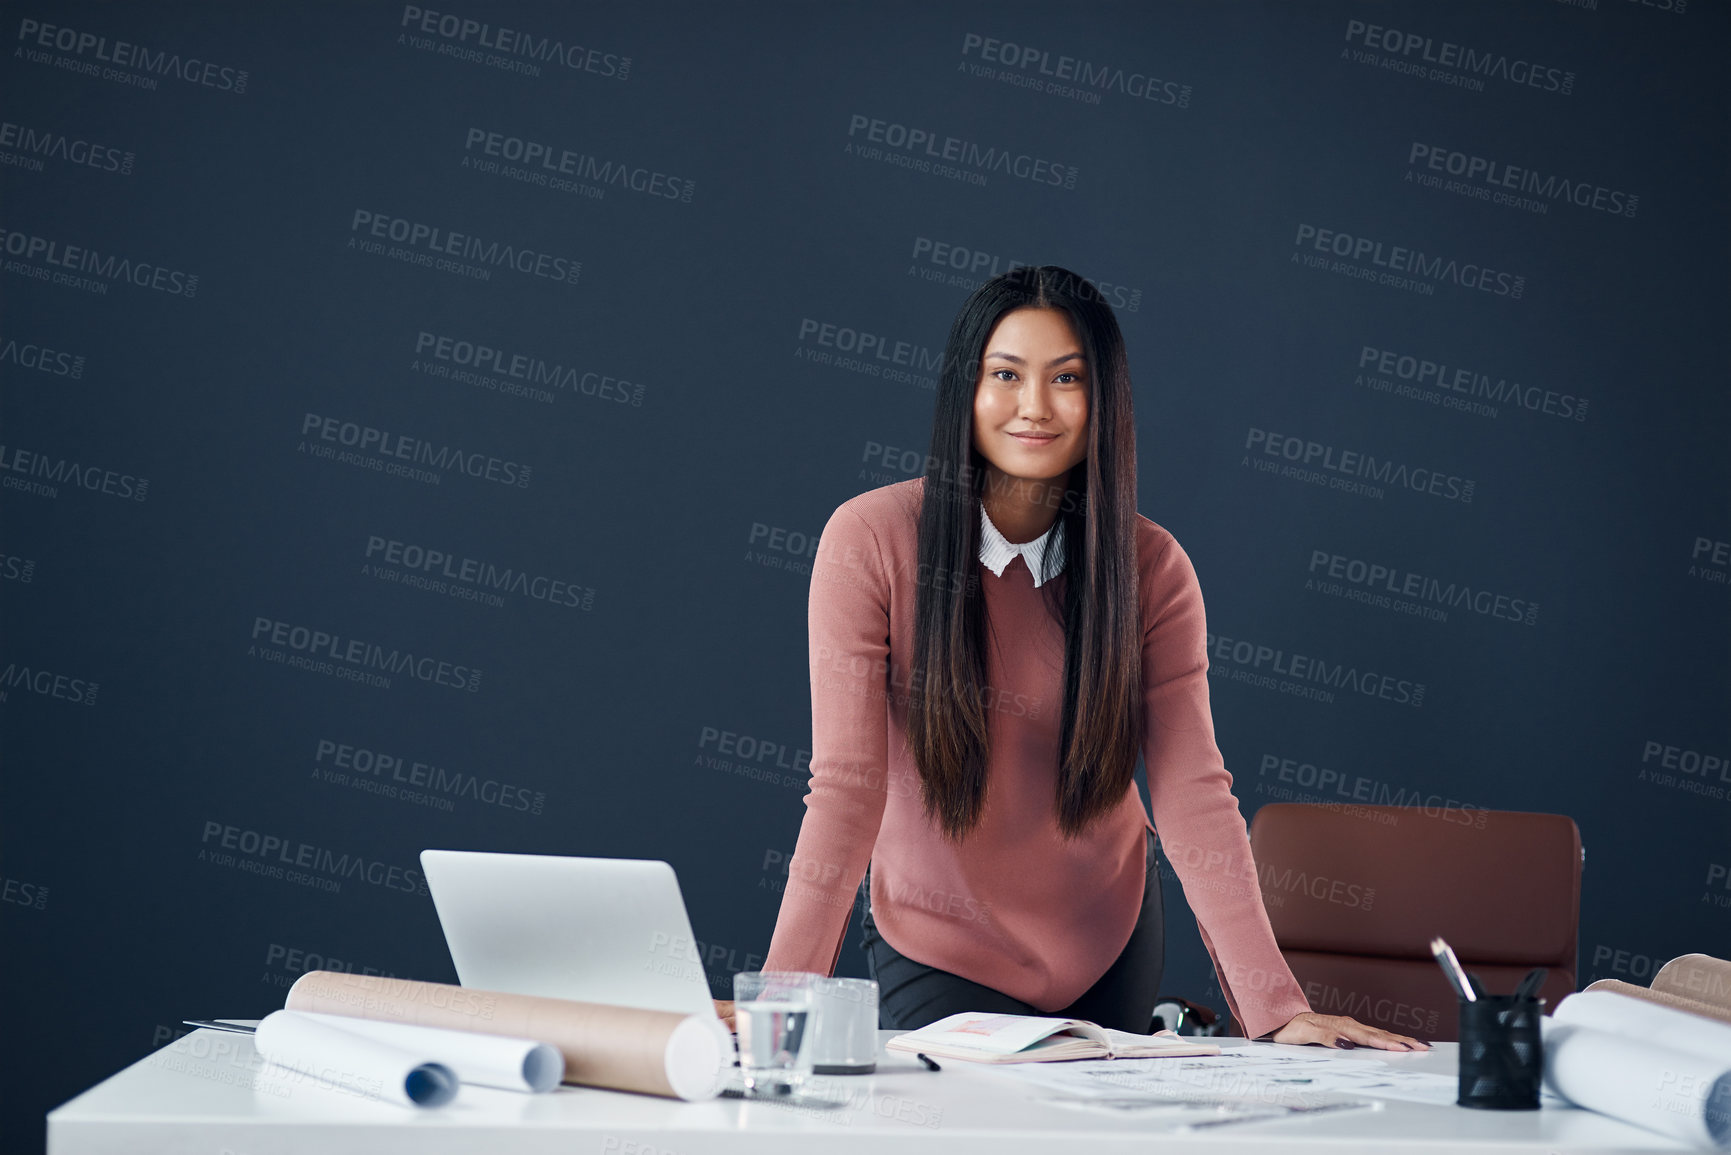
1195 813
849 624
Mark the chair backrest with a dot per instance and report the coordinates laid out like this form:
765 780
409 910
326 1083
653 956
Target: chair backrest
1356 893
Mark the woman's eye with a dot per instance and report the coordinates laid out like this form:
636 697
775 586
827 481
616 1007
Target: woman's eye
1004 374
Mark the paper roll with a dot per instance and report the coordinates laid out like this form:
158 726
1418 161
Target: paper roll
353 1062
1699 977
1677 1029
1647 1064
487 1060
620 1048
1659 998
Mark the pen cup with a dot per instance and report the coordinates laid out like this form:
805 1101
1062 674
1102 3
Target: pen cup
1501 1054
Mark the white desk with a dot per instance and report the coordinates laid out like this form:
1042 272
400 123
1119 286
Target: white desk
201 1094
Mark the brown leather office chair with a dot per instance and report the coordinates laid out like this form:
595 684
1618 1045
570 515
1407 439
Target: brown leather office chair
1356 893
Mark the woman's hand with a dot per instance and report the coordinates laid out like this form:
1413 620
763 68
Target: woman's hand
1342 1031
724 1011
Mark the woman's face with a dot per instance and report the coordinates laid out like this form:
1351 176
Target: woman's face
1031 398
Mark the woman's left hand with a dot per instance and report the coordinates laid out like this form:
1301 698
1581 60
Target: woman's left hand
1344 1032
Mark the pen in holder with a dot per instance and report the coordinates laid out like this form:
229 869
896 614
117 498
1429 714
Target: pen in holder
1502 1057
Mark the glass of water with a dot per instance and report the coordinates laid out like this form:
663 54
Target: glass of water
774 1012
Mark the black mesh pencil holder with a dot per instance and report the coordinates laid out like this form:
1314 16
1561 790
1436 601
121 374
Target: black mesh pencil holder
1502 1056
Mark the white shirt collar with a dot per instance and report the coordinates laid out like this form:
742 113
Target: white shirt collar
997 552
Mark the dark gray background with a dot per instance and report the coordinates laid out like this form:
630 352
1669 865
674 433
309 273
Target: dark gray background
116 922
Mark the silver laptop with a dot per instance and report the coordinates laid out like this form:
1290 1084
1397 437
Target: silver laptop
601 930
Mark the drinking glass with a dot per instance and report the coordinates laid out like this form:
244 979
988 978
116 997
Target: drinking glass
773 1012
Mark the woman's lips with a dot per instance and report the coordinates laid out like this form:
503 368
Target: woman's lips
1034 441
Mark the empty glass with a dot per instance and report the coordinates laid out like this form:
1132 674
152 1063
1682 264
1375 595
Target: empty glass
845 1032
773 1012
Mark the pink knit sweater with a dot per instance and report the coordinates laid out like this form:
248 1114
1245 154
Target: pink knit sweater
1013 905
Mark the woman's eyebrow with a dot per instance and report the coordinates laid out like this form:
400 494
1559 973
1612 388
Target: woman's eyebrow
1049 364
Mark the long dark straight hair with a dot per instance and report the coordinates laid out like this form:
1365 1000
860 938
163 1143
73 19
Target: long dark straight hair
1101 724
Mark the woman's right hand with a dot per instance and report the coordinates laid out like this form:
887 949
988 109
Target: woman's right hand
724 1011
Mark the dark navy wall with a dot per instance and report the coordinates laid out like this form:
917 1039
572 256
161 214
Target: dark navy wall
417 422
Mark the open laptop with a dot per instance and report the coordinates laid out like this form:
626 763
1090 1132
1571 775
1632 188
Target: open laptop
600 930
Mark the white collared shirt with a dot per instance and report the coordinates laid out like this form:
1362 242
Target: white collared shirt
997 552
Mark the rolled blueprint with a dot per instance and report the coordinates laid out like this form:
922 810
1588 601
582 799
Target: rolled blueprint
353 1062
488 1060
1659 1068
620 1048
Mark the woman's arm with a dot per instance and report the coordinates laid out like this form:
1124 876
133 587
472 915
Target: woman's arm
1199 823
1190 796
849 623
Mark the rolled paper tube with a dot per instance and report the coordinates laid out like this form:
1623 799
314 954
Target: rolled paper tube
1675 1093
353 1062
486 1060
1659 998
620 1048
1697 976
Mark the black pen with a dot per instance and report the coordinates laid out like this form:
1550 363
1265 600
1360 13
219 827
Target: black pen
927 1060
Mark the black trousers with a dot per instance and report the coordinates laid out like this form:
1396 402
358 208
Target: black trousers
911 994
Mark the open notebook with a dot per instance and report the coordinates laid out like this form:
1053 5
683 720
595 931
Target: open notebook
986 1038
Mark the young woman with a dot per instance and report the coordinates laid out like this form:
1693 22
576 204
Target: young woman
992 644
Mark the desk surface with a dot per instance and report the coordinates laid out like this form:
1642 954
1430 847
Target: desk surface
202 1093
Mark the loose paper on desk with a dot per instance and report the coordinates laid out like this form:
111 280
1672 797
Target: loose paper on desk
1244 1074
